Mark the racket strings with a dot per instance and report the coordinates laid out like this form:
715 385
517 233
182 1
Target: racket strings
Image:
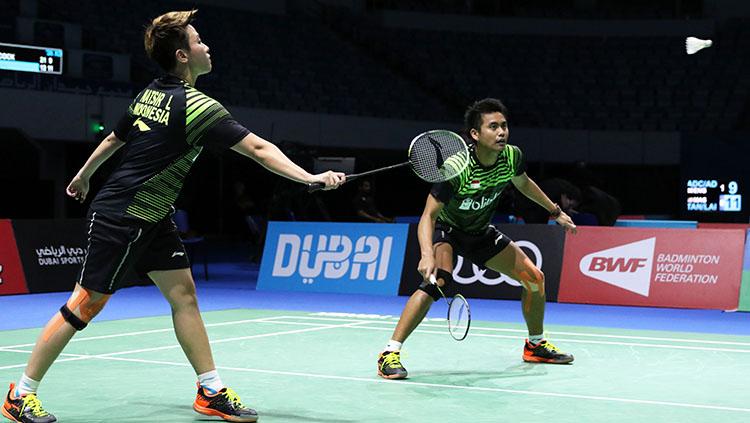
458 317
438 156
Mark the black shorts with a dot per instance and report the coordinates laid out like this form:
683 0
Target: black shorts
476 248
117 245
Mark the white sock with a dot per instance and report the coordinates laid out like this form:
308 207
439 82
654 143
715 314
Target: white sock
393 345
26 385
535 339
211 382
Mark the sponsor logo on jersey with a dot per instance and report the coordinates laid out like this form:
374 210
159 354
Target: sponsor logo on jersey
471 204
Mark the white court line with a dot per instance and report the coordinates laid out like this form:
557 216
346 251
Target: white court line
275 320
239 338
145 332
575 341
593 335
112 356
74 357
439 385
59 360
333 319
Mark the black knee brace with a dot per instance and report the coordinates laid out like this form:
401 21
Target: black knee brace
71 318
431 289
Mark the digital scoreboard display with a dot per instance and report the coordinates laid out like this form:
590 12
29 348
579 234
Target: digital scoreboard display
713 196
23 58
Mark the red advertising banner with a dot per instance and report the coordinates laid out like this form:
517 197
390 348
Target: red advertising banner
653 267
715 225
12 279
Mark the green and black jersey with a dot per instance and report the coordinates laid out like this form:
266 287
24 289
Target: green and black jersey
165 129
470 198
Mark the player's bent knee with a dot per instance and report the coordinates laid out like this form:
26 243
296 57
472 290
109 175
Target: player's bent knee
532 278
71 318
183 302
87 308
445 275
431 289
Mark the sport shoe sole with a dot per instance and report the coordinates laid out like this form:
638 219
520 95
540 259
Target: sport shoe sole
396 376
211 412
7 415
535 359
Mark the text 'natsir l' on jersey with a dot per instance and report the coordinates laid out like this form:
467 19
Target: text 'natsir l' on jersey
165 129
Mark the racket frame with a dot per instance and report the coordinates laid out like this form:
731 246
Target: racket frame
450 304
316 186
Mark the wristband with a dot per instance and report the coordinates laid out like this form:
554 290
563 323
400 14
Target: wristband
556 212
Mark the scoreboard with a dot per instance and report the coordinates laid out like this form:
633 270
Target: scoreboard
713 195
25 58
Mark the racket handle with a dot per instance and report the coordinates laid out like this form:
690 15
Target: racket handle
315 186
433 280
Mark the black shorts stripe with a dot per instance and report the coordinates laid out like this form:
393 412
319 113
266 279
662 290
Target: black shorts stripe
124 257
88 247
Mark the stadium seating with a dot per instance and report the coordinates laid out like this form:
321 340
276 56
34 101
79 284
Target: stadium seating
350 65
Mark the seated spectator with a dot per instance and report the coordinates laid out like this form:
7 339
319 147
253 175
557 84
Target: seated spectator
561 191
605 207
364 204
595 200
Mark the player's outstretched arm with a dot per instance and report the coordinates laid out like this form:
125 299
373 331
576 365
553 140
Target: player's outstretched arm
273 159
78 188
425 229
531 190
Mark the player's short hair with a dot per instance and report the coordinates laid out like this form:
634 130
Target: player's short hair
473 115
165 35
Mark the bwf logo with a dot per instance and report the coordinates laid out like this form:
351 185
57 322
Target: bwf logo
626 266
619 264
335 256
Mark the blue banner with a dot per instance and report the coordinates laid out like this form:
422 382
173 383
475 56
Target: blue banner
363 258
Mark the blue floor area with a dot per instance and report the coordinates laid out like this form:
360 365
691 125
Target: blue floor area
232 285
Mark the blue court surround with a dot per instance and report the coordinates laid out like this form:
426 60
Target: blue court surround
643 223
232 285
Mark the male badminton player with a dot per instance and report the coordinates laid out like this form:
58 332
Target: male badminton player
456 219
130 220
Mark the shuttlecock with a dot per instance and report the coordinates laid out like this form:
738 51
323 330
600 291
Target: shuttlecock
694 45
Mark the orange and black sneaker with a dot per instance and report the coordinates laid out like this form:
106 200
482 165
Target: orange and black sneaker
389 365
225 404
25 409
545 352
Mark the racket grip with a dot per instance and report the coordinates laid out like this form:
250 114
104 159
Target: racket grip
315 186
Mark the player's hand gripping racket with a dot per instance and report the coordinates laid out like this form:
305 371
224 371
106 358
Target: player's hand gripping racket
435 156
459 314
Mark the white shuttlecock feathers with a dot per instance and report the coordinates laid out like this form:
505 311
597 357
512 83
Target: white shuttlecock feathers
694 45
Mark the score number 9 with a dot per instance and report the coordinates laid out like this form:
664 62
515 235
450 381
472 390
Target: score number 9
732 187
